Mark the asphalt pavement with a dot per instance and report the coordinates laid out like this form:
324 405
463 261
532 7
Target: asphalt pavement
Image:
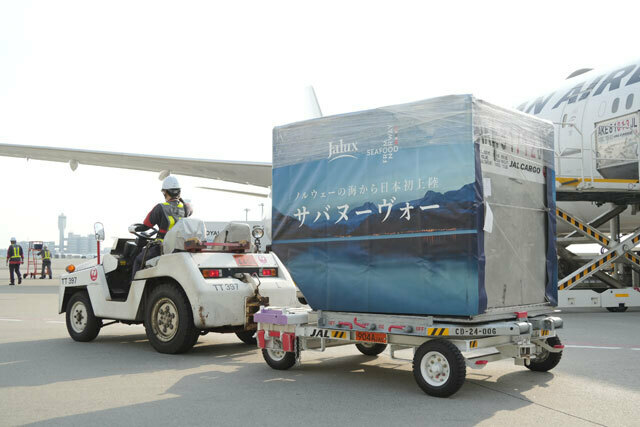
118 379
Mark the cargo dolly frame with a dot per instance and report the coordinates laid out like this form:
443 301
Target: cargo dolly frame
443 349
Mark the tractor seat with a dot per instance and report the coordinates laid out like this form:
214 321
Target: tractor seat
234 232
185 229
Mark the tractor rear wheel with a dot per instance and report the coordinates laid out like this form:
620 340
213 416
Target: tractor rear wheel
168 320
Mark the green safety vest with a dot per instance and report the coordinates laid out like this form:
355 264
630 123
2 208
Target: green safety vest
47 255
16 251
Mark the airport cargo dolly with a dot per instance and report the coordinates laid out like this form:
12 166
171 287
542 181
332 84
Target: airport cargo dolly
443 347
444 211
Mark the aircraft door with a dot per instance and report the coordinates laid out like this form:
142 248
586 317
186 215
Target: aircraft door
574 143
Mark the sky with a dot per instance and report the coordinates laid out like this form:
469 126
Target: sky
211 79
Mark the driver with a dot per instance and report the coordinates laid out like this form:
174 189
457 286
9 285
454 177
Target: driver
164 215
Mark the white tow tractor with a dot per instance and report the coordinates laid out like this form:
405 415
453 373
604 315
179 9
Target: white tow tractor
193 288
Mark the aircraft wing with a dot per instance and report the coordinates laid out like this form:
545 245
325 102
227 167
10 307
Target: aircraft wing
258 174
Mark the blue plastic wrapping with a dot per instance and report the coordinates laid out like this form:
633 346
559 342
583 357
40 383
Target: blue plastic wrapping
408 209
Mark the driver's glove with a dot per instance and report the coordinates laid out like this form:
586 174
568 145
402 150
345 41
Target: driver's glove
136 228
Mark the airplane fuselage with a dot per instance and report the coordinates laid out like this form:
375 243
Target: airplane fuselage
610 97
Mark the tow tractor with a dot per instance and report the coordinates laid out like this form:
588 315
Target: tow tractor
193 288
443 347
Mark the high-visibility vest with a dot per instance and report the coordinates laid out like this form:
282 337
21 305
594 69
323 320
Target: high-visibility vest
47 255
173 212
16 251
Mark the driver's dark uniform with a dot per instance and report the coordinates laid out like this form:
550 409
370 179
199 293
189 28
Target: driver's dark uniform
164 216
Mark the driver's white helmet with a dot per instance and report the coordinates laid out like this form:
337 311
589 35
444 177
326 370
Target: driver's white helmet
170 183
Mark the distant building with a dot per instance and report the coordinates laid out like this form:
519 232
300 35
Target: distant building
73 244
62 224
81 245
51 246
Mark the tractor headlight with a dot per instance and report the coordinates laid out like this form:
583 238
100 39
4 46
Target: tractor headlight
257 232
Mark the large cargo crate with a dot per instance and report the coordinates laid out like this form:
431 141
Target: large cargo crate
443 207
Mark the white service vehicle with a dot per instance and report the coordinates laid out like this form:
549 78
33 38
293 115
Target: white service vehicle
191 289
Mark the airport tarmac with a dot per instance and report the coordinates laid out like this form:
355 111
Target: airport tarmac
46 378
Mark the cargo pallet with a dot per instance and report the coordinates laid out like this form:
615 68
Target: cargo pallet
444 347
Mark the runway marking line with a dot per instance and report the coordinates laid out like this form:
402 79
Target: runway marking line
11 363
593 346
10 320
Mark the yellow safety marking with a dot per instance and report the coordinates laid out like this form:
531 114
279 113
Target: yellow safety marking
588 230
622 295
438 331
632 258
573 182
591 232
597 236
544 332
473 344
339 334
588 270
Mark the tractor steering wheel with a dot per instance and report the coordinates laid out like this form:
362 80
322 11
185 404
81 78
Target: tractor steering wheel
142 231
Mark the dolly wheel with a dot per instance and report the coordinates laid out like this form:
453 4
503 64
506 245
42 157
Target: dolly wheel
279 359
619 309
370 349
545 361
439 368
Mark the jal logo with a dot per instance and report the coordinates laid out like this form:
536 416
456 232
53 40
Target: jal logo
93 274
262 259
342 150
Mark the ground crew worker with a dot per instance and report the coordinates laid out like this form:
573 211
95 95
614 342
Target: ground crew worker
45 254
15 257
164 215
